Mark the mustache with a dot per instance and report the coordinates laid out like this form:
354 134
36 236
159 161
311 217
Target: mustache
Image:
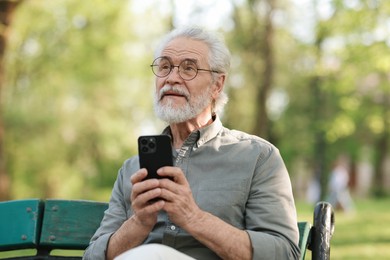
173 90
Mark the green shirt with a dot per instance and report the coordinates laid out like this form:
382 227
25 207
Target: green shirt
237 177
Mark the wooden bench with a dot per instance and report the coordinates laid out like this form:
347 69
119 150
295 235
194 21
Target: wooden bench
61 229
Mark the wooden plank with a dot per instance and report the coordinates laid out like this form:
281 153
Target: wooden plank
304 234
20 222
70 224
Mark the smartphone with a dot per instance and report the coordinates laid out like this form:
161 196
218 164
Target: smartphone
154 152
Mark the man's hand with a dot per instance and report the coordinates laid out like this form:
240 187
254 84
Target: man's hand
179 202
143 192
135 229
225 240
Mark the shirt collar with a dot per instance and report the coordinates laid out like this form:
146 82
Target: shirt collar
203 135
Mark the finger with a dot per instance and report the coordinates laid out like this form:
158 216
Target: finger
144 199
175 173
148 214
138 176
143 186
169 195
151 209
168 184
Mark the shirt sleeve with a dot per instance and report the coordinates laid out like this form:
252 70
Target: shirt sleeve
117 213
271 219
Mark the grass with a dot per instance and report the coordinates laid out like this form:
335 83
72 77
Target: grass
32 252
363 234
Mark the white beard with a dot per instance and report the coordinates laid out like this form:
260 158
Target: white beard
192 108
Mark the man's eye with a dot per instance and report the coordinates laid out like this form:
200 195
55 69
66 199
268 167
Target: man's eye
164 67
189 68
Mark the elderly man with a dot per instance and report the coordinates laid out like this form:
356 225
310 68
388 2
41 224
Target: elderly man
228 195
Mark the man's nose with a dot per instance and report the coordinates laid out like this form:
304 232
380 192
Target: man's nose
174 75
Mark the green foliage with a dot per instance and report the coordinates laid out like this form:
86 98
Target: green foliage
77 74
336 83
79 90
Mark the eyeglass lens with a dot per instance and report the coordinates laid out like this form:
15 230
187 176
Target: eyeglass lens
163 66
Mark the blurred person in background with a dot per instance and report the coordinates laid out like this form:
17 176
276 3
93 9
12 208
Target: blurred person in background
338 187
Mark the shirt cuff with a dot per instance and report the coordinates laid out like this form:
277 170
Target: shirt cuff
97 249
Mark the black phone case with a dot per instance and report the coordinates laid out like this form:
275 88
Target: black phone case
154 151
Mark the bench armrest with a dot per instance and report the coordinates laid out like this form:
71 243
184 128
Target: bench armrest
322 231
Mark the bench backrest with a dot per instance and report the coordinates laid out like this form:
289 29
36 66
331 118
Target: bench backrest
70 224
20 223
48 225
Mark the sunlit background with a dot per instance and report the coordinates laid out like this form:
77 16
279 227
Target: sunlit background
312 77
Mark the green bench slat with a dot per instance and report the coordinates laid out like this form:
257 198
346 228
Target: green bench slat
304 232
20 224
70 224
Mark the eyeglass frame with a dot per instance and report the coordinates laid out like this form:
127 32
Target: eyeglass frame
172 66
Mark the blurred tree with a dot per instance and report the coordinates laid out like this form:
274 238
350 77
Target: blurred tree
78 91
358 44
7 9
74 97
252 41
332 85
346 89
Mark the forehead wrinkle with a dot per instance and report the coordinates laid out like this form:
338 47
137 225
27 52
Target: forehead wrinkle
177 55
177 50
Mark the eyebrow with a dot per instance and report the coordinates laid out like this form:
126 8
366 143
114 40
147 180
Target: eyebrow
186 59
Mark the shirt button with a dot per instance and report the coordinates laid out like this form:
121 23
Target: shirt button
173 227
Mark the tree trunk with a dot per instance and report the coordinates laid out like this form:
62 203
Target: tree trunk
382 148
7 9
262 126
320 145
318 117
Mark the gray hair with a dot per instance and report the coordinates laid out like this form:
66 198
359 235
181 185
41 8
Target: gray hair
218 56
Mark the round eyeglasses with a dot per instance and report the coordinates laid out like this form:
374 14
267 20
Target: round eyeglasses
188 69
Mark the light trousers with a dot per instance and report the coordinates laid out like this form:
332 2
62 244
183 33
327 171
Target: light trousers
153 252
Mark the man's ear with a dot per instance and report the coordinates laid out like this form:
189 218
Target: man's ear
219 85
